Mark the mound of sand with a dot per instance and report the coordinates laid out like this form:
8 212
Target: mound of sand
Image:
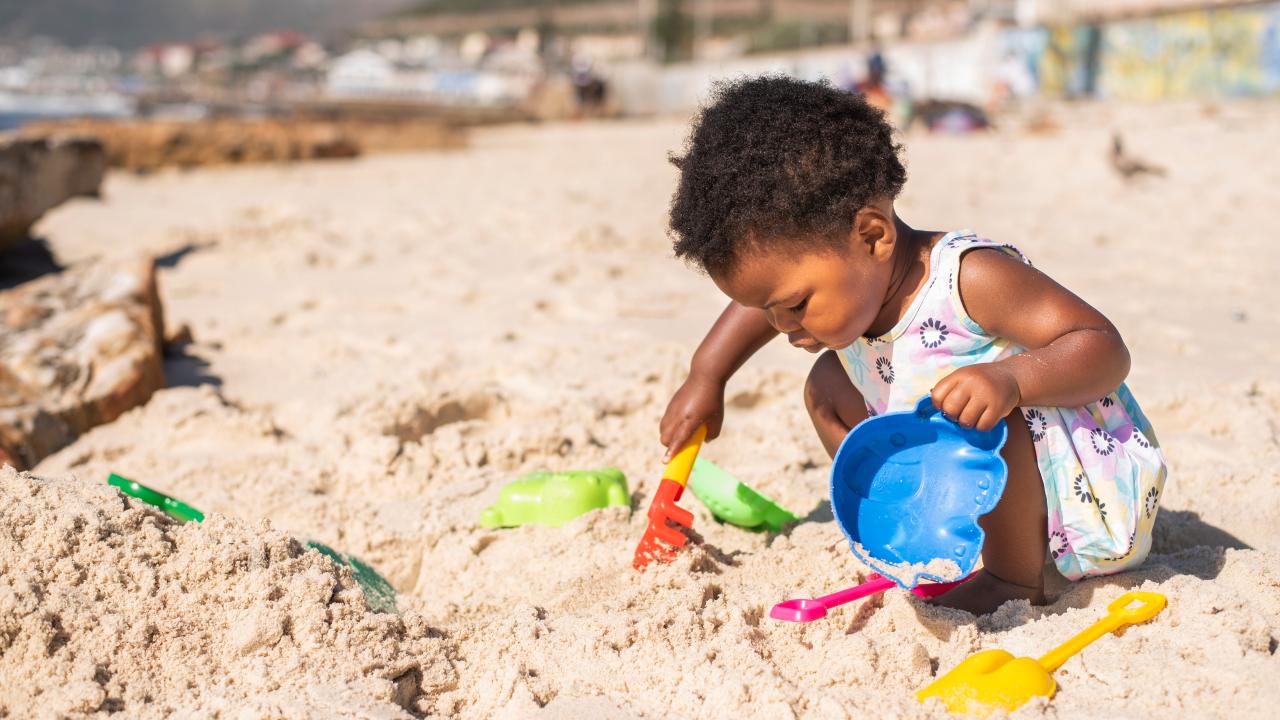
107 606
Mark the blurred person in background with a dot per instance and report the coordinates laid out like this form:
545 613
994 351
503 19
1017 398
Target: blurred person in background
873 88
589 87
1013 83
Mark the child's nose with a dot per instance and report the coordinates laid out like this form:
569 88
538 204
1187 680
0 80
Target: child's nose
784 321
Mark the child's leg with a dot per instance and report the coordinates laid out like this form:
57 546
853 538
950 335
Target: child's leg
1017 535
834 404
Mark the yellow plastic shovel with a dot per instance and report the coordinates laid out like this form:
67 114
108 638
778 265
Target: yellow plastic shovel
994 679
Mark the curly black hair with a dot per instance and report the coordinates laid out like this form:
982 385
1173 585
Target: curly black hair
775 161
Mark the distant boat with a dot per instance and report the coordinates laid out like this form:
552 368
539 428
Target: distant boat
17 109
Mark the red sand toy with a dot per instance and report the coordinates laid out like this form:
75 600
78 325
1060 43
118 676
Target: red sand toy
664 510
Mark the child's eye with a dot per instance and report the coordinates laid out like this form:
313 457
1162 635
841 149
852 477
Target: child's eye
799 307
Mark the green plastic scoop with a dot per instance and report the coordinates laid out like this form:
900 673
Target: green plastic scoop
379 593
732 501
554 498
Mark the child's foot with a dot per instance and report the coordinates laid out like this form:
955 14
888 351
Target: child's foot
984 593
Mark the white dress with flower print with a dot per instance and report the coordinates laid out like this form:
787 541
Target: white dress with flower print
1102 467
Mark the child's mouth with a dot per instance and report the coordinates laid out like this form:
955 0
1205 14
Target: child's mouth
804 342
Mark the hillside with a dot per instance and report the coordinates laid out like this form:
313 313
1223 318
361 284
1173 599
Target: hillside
133 23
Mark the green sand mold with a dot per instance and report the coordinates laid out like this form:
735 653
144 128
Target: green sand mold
554 498
731 501
378 593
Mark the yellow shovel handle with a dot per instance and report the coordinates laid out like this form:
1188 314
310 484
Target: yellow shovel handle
682 464
1119 614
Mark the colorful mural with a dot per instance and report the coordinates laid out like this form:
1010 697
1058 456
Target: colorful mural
1229 52
1205 53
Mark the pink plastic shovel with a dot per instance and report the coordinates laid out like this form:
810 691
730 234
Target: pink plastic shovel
810 609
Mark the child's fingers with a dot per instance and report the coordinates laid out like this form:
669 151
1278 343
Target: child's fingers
972 413
667 431
990 418
954 402
939 392
713 426
679 437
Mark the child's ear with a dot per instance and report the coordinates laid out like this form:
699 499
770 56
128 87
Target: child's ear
873 233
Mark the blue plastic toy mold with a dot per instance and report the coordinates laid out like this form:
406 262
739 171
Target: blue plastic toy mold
909 488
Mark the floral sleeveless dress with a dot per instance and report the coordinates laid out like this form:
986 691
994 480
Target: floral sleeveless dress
1102 467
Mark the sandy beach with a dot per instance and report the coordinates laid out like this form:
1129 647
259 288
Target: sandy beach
381 343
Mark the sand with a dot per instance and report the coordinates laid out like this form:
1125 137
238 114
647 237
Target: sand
380 344
110 606
938 569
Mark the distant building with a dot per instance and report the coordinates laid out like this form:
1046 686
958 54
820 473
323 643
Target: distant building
272 44
360 72
309 55
168 60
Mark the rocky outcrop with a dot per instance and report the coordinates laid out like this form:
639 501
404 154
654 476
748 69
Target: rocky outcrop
147 145
37 173
77 349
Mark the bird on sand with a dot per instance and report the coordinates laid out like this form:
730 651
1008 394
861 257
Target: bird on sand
1129 166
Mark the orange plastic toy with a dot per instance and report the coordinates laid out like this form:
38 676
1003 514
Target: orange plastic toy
664 511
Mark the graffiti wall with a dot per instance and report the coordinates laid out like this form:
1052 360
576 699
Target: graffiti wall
1208 53
1205 53
1070 61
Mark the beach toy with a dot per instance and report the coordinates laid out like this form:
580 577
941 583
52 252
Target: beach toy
175 509
663 509
996 680
907 489
555 498
810 609
378 593
732 501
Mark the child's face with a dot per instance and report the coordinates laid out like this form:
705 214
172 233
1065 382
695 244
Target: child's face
825 298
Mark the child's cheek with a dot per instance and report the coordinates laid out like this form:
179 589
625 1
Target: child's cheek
851 322
831 328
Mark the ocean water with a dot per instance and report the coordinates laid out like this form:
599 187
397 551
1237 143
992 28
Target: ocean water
17 110
15 120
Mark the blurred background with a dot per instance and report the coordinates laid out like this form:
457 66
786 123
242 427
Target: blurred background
470 61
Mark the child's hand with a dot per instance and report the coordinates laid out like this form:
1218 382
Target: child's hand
977 396
699 400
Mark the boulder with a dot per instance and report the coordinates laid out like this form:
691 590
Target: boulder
77 349
38 173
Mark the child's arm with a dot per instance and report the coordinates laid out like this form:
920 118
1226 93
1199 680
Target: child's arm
736 335
1074 354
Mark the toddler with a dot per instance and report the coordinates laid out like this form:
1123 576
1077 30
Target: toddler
786 200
